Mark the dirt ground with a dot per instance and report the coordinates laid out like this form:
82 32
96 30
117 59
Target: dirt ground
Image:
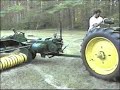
56 72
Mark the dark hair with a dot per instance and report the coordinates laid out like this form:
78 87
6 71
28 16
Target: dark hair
97 11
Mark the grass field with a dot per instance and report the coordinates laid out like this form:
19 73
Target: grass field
56 72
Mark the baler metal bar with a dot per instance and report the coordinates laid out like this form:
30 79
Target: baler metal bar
69 55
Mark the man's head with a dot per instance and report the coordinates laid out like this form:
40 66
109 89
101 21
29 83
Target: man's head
97 13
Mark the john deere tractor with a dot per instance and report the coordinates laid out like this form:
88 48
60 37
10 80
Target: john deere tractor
101 52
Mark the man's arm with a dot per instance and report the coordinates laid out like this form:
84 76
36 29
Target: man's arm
96 24
100 21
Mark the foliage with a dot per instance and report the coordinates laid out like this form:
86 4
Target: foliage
11 9
15 8
37 14
64 5
3 13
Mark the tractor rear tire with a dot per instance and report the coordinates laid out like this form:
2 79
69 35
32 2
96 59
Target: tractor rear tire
100 52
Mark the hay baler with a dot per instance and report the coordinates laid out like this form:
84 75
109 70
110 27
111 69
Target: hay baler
17 48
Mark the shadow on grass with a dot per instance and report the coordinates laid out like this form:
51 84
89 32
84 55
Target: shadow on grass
43 61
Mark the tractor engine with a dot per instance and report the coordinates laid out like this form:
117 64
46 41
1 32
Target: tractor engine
48 46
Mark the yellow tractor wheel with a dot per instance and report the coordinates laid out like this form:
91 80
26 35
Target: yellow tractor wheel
101 53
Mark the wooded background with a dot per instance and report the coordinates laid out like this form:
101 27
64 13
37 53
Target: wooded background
40 14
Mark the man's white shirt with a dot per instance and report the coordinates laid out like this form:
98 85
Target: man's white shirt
93 21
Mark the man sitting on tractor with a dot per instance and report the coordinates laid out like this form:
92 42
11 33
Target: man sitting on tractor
95 20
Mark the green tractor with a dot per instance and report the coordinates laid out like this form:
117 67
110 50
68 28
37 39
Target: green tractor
100 50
